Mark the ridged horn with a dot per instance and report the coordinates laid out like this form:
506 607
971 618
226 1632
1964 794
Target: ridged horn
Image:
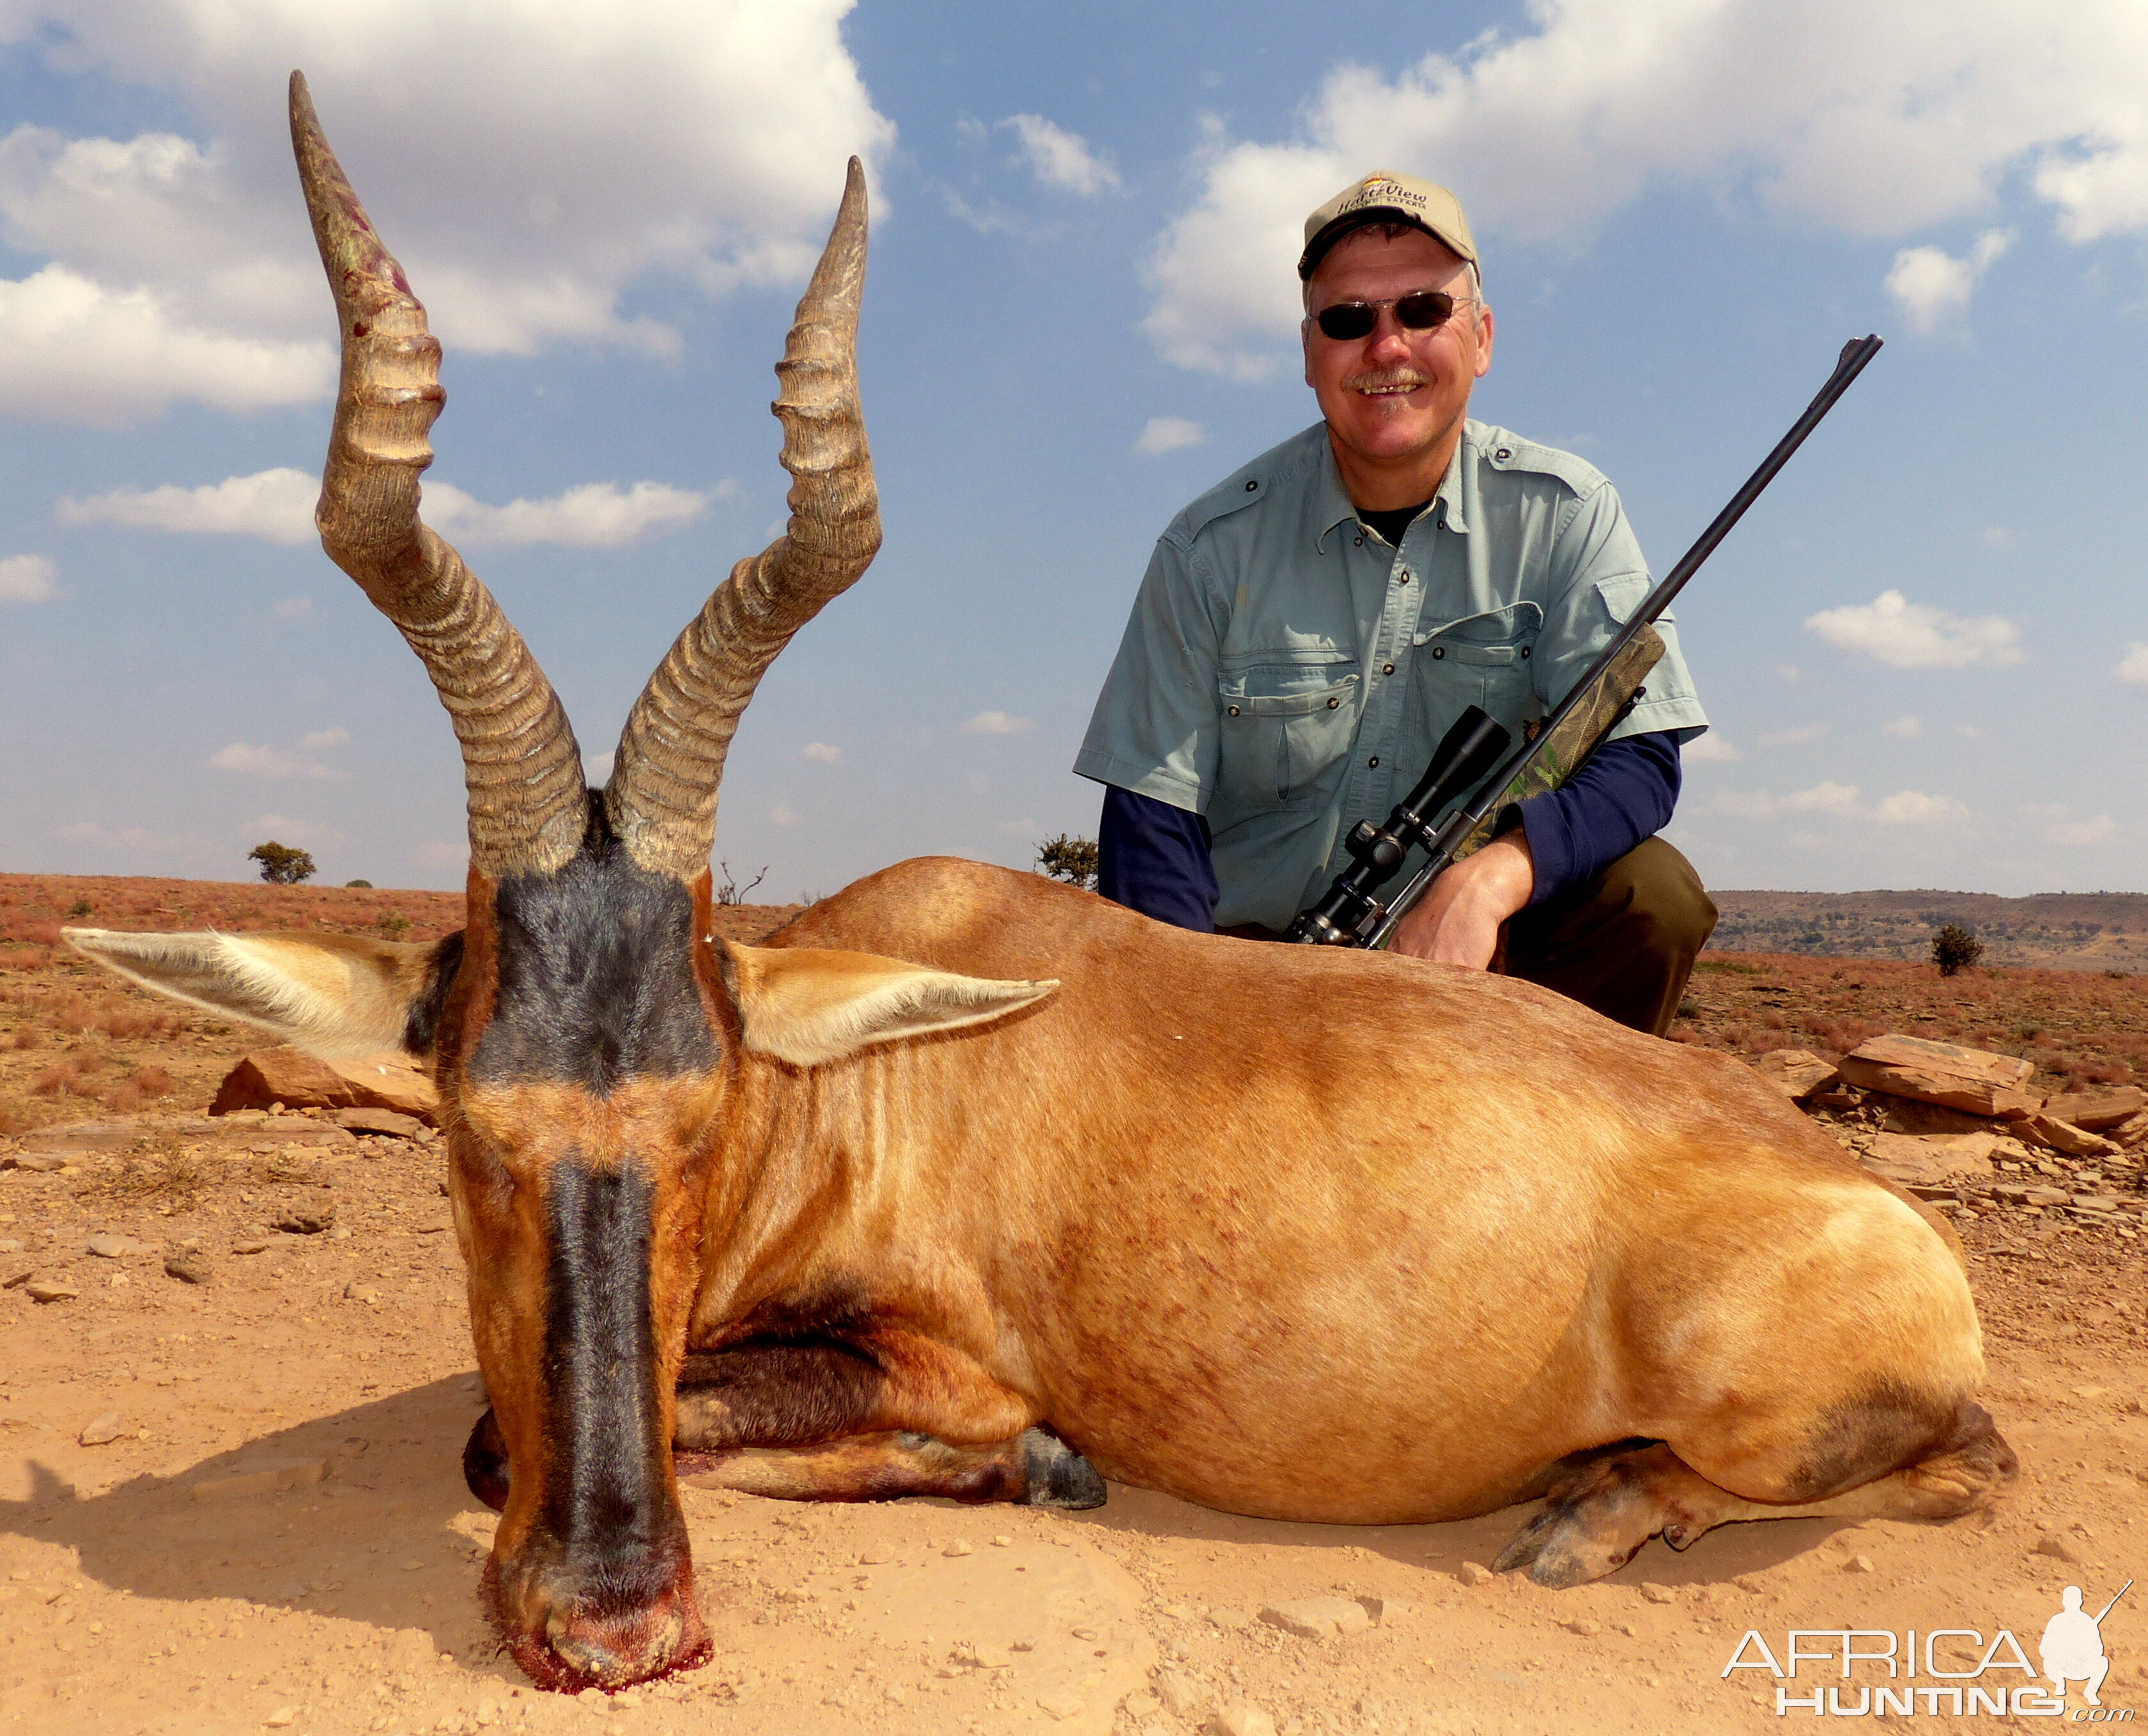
661 800
527 807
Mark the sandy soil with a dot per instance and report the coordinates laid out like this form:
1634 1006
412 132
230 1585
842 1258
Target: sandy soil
278 1535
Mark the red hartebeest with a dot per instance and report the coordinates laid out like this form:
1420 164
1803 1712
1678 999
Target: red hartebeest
969 1184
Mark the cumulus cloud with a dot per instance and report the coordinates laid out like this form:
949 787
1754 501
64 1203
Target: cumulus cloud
2133 666
1931 287
316 740
1062 159
1914 807
277 505
28 578
1830 799
1908 728
1713 748
822 753
2096 828
998 723
1877 121
1168 434
673 140
1915 635
1792 736
247 759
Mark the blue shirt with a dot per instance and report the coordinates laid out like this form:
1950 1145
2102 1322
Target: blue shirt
1287 673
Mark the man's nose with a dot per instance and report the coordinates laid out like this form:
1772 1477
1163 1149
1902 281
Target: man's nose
1389 342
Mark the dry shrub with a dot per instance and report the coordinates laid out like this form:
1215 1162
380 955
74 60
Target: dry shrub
70 1077
124 1021
148 1084
27 1037
178 1180
12 1118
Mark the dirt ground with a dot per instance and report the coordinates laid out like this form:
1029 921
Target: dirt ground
277 1536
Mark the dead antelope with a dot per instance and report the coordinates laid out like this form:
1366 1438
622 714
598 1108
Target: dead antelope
967 1183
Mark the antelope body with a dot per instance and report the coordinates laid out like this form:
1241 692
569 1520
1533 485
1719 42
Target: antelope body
969 1184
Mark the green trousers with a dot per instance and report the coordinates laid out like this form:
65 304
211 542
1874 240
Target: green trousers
1622 943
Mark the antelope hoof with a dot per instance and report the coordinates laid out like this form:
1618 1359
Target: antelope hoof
1058 1475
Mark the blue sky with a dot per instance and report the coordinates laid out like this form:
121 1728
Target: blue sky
1922 651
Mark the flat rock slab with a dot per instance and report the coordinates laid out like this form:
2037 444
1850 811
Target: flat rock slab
118 1248
1318 1618
2098 1111
85 1137
1931 1160
104 1431
379 1120
50 1290
1975 1080
37 1162
1797 1073
2045 1129
299 1080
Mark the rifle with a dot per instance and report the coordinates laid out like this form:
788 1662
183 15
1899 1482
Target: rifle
1350 914
2109 1607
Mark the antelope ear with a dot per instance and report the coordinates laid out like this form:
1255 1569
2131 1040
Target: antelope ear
336 995
807 1005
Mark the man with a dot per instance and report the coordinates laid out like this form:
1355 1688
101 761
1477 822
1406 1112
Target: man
1308 629
2072 1646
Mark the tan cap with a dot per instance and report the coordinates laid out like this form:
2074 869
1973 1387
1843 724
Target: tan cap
1383 195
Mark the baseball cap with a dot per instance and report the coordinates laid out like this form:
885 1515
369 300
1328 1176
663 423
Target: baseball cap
1382 196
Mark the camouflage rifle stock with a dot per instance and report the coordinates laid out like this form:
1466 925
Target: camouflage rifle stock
1350 916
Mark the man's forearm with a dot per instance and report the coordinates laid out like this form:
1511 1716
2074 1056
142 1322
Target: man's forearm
1624 794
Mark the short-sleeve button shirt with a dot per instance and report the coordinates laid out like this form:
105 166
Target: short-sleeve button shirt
1287 673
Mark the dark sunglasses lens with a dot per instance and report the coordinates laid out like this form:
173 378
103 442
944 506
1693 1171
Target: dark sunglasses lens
1422 312
1346 320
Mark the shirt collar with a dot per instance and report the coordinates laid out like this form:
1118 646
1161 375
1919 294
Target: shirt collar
1334 506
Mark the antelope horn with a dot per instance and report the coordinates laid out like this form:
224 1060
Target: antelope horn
528 808
661 800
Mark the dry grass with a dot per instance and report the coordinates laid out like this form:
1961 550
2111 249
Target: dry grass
172 1180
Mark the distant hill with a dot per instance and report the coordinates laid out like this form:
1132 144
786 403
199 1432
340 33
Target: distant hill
2062 930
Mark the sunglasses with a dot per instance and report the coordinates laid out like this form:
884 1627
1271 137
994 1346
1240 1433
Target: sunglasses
1424 311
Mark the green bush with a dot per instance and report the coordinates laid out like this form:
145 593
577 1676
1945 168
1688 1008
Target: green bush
1954 949
1072 859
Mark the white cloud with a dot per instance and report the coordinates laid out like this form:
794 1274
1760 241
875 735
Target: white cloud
673 138
283 829
270 762
1878 121
1843 802
277 505
783 813
998 723
2133 666
1791 737
2097 829
29 579
1062 159
1167 433
1712 749
1914 807
1908 728
317 740
1915 635
1932 287
822 753
292 609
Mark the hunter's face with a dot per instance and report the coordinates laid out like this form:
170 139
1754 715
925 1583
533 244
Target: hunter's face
1394 395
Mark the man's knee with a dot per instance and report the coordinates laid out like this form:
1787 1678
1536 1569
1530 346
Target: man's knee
1655 888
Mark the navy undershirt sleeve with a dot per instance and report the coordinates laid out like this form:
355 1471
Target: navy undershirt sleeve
1154 858
1624 793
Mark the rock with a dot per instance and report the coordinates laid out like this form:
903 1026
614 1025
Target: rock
385 1121
19 1276
2058 1548
104 1431
1140 1705
1975 1080
297 1080
45 1290
2098 1110
262 1477
1797 1073
1658 1593
958 1548
1230 1621
43 1163
2095 1202
306 1220
11 1244
117 1247
1318 1618
1385 1612
251 1245
2047 1197
1067 1703
189 1269
1473 1572
1587 1627
1927 1159
83 1136
1241 1717
1183 1696
1858 1564
355 1291
2130 1133
2054 1135
1906 1115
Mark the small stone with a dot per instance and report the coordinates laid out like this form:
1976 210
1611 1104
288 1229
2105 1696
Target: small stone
50 1290
1318 1618
1140 1705
1858 1564
1749 1583
1022 1642
116 1247
305 1220
1183 1696
1658 1593
1062 1705
187 1268
356 1291
958 1548
282 1717
43 1163
1387 1612
251 1245
1582 1625
1230 1621
11 1244
341 1232
1003 1543
1241 1717
1474 1573
878 1556
104 1431
2058 1548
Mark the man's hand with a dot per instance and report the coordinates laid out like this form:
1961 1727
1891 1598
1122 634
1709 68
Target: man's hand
1457 921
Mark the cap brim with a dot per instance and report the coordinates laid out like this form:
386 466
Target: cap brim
1329 233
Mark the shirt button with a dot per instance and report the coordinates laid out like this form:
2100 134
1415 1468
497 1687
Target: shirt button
1402 577
1234 710
1387 668
1503 452
1374 761
1251 486
1438 652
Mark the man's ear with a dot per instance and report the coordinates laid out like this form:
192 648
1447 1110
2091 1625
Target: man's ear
807 1005
337 996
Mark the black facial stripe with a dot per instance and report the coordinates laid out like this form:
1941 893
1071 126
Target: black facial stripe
595 978
423 1018
605 1498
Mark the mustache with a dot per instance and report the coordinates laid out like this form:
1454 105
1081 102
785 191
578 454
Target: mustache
1407 377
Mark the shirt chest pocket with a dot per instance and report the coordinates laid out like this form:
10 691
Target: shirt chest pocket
1483 660
1287 729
